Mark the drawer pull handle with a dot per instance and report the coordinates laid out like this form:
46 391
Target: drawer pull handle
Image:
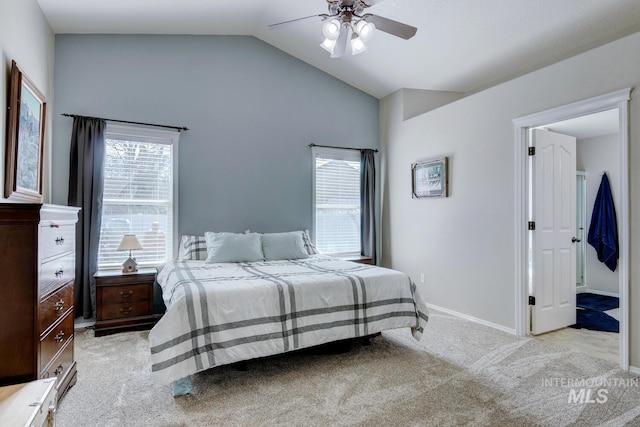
126 310
59 240
58 370
54 226
59 273
58 306
126 294
59 337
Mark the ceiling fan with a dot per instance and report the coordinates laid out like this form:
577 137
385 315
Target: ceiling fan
346 26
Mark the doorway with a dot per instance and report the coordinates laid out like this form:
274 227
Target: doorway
597 318
523 126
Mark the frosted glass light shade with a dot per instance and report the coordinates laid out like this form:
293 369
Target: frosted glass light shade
331 29
365 30
357 46
328 45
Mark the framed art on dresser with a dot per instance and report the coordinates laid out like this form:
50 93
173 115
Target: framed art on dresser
25 139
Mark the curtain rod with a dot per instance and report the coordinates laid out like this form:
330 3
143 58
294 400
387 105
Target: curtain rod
179 128
342 148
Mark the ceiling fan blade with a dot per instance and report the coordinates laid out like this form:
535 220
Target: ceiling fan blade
341 44
369 3
285 24
390 26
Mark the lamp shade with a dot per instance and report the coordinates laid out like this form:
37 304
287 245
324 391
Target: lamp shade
129 242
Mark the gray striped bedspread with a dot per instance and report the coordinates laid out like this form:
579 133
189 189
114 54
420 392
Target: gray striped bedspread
224 313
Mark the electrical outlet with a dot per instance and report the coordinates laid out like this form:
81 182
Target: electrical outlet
421 277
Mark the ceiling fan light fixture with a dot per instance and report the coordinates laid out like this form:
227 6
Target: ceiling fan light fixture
328 45
331 29
357 45
365 30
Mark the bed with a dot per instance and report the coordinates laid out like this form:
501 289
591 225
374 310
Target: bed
221 313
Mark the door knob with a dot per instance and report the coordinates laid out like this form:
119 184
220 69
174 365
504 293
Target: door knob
575 240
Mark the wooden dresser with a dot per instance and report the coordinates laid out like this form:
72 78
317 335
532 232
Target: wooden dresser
37 264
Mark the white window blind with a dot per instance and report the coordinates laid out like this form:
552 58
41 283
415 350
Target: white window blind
139 194
337 200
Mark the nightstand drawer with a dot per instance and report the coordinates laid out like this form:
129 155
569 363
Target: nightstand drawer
126 309
124 293
54 307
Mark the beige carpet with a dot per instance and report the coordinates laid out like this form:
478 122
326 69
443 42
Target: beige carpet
461 373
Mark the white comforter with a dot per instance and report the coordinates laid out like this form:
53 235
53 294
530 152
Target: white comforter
223 313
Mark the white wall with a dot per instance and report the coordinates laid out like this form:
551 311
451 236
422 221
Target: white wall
595 155
465 243
27 38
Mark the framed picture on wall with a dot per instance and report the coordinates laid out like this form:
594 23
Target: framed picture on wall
25 139
429 178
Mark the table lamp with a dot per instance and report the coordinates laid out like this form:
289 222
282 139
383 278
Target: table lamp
129 242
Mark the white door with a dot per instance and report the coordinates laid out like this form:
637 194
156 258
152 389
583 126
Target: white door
553 240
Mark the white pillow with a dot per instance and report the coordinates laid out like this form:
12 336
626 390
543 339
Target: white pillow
288 245
231 247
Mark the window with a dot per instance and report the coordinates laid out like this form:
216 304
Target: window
140 183
336 198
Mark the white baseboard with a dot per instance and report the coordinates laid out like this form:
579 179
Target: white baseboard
597 292
511 331
634 370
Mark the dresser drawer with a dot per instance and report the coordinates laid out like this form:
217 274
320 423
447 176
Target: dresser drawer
60 364
56 272
56 239
55 306
56 339
126 309
125 293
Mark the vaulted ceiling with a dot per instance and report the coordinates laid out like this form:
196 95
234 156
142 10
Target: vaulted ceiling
461 45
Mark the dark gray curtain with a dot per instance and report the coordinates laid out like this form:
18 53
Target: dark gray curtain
85 191
368 204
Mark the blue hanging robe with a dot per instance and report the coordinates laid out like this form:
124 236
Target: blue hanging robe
603 231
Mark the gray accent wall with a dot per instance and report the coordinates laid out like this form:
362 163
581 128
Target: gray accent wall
251 109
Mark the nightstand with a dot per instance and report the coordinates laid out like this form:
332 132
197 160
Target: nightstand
124 301
360 259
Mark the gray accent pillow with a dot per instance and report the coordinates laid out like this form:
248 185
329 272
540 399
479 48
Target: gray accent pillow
308 244
289 245
192 248
232 247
